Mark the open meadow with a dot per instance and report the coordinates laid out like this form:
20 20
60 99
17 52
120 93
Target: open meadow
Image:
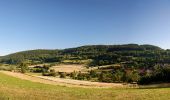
12 88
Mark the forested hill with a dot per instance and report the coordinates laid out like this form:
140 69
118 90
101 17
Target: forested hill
100 54
111 48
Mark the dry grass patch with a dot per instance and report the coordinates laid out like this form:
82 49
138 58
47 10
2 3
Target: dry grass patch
69 68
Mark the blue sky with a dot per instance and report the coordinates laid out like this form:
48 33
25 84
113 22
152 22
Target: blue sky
52 24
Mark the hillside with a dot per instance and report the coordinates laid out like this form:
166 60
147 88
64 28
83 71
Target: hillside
143 64
17 89
83 52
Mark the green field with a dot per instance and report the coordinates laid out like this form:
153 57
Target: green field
16 89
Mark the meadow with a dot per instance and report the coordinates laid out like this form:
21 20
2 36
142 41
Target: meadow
17 89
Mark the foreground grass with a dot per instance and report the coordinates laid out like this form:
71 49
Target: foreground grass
16 89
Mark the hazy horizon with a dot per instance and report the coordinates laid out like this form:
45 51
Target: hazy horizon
59 24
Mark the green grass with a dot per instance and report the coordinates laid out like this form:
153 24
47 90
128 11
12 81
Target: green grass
16 89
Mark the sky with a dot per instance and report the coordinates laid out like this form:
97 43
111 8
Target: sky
59 24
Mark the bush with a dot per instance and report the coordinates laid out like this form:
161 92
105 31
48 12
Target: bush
23 67
62 74
145 80
88 77
106 77
37 70
81 76
93 74
133 76
51 73
118 76
73 75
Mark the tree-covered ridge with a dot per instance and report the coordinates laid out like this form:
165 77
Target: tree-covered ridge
32 55
108 53
112 48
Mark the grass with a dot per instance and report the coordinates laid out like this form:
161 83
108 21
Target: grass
16 89
7 67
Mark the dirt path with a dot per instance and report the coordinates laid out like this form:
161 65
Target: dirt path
63 82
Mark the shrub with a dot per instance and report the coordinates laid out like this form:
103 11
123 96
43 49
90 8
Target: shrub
133 76
81 76
37 70
106 77
23 67
88 77
62 74
53 73
73 75
93 74
118 76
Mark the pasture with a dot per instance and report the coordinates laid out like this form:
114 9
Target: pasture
12 88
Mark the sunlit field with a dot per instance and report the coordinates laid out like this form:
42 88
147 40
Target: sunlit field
17 89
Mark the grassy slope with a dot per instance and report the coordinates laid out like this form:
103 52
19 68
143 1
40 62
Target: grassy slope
17 89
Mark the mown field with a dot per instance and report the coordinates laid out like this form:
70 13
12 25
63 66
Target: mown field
16 89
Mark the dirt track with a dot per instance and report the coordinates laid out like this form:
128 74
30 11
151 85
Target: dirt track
63 82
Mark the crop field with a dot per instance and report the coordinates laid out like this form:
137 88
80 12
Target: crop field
69 68
12 88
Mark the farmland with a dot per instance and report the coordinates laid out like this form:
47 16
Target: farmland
84 50
69 68
124 72
18 89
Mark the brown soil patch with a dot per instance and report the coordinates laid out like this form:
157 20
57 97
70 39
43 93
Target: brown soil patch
69 68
